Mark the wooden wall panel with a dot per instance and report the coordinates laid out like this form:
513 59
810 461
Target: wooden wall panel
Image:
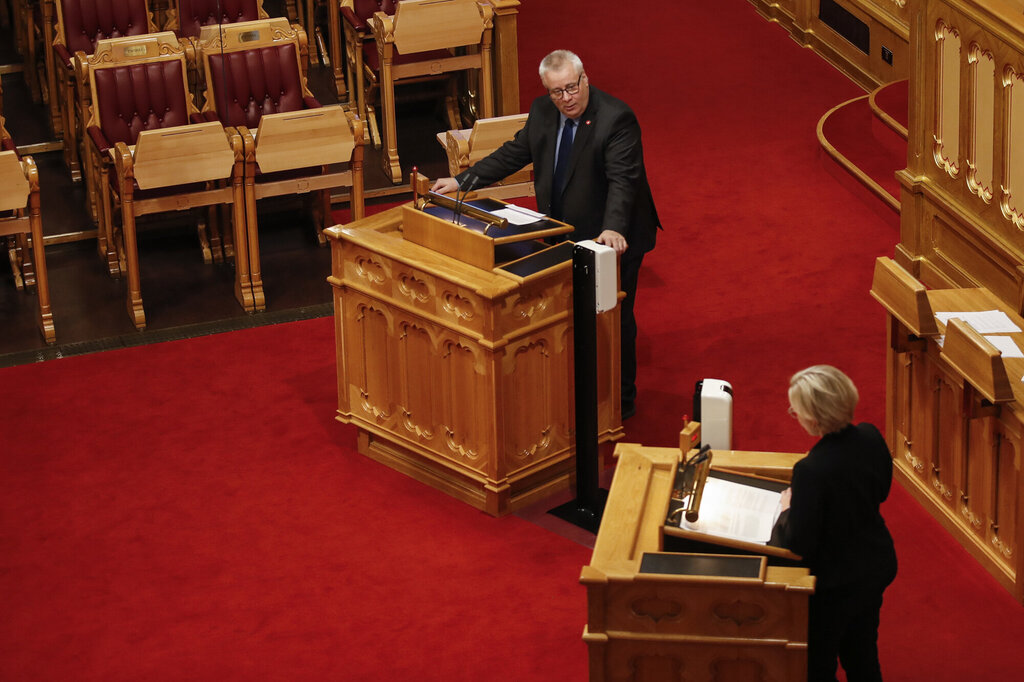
888 22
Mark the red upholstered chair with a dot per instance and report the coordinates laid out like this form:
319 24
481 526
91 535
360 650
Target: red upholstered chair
22 226
80 24
154 154
187 17
255 83
356 35
427 39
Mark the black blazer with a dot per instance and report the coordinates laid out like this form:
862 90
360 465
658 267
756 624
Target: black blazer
606 188
834 521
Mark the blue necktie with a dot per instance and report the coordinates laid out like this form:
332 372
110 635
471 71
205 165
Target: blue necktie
561 169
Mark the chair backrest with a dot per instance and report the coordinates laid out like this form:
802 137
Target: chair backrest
82 23
358 12
425 25
187 17
138 83
253 68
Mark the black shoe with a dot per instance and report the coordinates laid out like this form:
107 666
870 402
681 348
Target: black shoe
628 409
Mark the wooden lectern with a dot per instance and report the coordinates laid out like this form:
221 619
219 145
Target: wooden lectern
955 415
655 615
454 351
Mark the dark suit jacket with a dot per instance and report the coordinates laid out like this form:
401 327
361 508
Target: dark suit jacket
834 521
606 187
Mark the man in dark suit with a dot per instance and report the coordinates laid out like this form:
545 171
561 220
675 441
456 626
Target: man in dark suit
588 167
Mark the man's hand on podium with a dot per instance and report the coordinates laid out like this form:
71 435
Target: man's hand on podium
613 239
445 185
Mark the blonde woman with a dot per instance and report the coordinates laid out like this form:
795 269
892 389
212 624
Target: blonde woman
831 518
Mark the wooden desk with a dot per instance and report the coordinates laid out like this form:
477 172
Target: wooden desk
461 377
956 450
716 624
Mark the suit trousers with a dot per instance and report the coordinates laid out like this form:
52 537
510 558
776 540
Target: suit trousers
629 272
843 624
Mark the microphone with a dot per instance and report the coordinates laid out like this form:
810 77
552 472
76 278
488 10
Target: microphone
465 187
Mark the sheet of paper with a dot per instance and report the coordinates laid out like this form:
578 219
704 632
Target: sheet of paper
517 215
983 322
737 511
1005 345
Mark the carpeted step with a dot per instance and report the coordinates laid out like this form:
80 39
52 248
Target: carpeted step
865 144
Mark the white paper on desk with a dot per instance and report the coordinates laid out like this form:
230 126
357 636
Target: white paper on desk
983 322
737 511
517 215
1005 345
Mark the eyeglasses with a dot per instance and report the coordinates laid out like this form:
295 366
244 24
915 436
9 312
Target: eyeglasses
570 89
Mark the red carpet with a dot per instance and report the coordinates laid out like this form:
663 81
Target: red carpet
190 511
193 512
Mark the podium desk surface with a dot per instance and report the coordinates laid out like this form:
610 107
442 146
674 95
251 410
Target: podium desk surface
638 502
382 233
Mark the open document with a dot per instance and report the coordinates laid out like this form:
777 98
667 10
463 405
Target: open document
518 215
983 322
737 511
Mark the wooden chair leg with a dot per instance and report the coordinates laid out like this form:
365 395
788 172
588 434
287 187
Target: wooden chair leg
27 21
22 259
362 97
336 38
246 230
41 277
70 123
227 235
216 229
203 227
131 257
389 157
322 214
50 61
357 204
106 244
15 257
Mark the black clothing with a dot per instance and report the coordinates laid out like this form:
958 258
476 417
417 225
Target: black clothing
834 523
605 188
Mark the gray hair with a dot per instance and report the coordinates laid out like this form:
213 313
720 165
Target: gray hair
824 394
558 59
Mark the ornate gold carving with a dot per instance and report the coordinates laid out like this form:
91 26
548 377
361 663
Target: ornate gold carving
413 288
739 612
450 441
539 446
973 519
527 308
378 414
370 269
656 608
980 157
942 489
411 426
1013 173
915 463
458 306
946 148
1001 547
